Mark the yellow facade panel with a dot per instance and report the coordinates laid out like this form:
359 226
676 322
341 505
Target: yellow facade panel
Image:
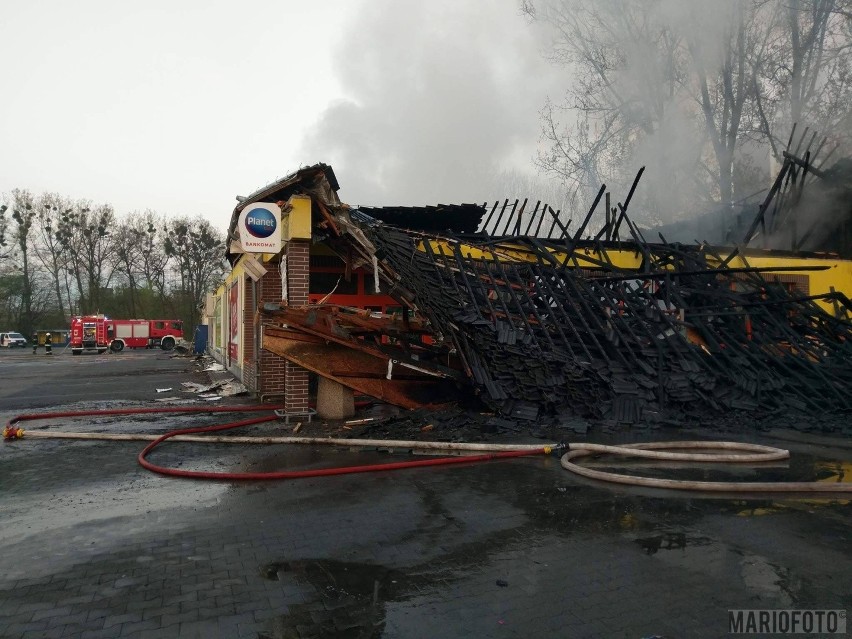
836 274
296 223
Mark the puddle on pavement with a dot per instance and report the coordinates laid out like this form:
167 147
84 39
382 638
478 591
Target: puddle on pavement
554 500
705 555
350 598
768 580
670 541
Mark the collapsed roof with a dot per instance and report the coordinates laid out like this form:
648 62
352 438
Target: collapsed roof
533 318
316 180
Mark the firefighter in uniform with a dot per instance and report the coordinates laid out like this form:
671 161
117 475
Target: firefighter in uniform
47 347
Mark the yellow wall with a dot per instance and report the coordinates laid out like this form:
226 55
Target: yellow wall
222 324
296 223
837 275
217 320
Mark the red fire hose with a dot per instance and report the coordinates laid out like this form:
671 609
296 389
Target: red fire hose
724 452
12 432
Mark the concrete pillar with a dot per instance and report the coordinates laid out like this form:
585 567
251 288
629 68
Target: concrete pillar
334 400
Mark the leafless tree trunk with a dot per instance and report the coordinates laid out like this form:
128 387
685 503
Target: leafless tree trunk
23 213
48 248
199 253
726 91
85 235
682 85
154 259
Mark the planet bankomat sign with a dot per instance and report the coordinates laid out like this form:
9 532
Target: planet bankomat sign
260 228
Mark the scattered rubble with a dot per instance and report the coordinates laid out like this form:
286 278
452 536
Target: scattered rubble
182 349
454 425
194 387
174 400
223 388
536 320
686 334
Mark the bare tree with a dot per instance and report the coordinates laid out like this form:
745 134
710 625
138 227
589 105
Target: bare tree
726 63
681 85
3 252
625 72
807 76
97 253
199 254
154 260
68 236
84 233
128 244
141 262
10 296
23 213
48 246
65 256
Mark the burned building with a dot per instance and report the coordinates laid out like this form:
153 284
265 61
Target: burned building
505 306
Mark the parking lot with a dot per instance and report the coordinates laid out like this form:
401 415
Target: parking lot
41 381
95 546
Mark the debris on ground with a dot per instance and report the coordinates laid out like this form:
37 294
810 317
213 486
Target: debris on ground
537 321
459 424
174 400
194 387
182 349
229 389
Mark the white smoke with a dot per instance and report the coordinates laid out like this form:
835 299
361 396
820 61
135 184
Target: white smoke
441 98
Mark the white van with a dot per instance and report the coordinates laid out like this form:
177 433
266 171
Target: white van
8 340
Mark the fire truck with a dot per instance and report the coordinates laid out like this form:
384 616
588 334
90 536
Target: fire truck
99 333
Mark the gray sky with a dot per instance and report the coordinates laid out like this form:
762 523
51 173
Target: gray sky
180 106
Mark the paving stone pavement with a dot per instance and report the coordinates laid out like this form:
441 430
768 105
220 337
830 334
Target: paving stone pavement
95 546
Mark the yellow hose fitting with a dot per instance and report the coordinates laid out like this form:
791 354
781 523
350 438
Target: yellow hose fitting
10 433
547 450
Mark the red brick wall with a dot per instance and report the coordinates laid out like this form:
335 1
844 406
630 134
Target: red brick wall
270 284
298 272
278 379
298 277
272 366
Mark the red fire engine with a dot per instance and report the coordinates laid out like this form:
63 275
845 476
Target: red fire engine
97 332
88 333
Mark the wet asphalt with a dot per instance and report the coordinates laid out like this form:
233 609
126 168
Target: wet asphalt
96 546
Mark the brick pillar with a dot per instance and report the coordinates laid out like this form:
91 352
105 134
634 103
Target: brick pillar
272 366
298 277
298 272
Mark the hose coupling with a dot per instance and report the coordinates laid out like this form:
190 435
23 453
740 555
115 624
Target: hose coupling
556 449
11 433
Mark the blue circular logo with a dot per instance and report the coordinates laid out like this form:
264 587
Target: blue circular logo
260 223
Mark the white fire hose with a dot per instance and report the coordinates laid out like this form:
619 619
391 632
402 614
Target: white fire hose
719 452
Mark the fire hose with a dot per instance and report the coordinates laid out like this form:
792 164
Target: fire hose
720 452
